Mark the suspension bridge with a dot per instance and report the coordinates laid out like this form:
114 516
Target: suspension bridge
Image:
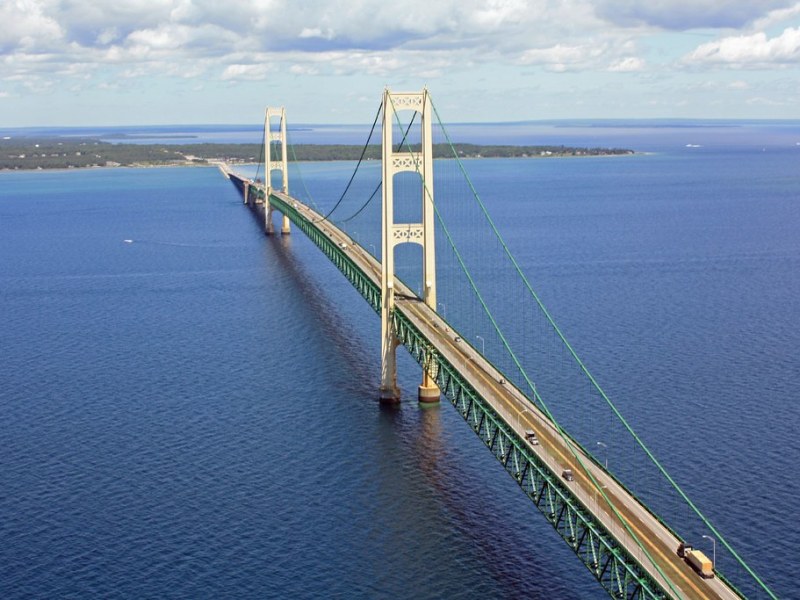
510 394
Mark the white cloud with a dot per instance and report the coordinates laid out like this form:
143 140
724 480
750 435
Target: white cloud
59 43
681 15
316 32
763 101
777 17
562 57
245 72
303 70
26 25
107 36
628 64
750 50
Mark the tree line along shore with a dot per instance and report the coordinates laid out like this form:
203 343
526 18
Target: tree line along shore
75 153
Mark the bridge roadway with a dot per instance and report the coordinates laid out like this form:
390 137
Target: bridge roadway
520 414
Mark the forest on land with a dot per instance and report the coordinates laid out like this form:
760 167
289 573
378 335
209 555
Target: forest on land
71 153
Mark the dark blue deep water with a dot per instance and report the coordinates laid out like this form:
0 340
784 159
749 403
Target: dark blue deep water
192 413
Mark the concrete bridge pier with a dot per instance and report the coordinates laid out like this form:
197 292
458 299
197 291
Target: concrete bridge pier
389 392
269 227
428 392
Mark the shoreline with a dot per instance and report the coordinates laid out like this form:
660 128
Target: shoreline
34 154
215 164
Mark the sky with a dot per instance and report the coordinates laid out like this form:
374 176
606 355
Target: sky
151 62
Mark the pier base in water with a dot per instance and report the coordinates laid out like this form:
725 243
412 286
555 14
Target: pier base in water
390 395
429 394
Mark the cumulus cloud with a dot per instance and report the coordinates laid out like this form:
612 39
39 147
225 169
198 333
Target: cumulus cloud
26 25
282 25
245 71
688 14
316 32
562 57
777 17
233 40
628 64
753 50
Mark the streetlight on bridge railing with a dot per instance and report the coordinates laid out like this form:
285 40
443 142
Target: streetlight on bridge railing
444 310
713 551
483 344
606 449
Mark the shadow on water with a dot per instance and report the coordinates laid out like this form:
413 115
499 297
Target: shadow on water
498 541
504 543
325 311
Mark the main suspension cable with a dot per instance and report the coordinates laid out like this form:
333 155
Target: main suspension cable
583 368
358 164
261 155
380 183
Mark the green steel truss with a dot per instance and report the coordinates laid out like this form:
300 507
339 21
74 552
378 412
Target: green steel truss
612 565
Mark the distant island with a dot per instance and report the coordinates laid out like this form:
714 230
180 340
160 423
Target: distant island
74 153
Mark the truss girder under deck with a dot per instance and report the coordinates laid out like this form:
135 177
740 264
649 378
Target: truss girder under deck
611 564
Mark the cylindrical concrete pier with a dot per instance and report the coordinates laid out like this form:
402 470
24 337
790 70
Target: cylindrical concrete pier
390 395
428 392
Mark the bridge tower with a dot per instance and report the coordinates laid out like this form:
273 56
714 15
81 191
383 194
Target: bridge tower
394 234
279 135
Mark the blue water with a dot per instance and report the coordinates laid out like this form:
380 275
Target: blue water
644 135
192 413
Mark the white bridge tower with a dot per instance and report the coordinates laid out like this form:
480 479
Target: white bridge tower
279 135
394 234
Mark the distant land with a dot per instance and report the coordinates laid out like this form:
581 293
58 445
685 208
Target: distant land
28 153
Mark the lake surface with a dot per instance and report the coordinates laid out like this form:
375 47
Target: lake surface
188 408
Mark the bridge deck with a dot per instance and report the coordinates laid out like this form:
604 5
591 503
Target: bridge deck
520 414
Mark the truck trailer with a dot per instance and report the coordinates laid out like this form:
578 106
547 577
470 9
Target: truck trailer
697 560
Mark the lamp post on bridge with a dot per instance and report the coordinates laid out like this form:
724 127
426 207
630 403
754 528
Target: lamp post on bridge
374 252
713 551
483 344
444 310
606 449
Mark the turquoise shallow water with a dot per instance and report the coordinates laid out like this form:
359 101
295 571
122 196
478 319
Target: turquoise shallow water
191 414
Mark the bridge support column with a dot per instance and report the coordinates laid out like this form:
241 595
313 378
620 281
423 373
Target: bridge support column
270 136
269 228
415 233
428 392
389 392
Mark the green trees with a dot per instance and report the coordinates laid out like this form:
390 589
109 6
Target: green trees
64 153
